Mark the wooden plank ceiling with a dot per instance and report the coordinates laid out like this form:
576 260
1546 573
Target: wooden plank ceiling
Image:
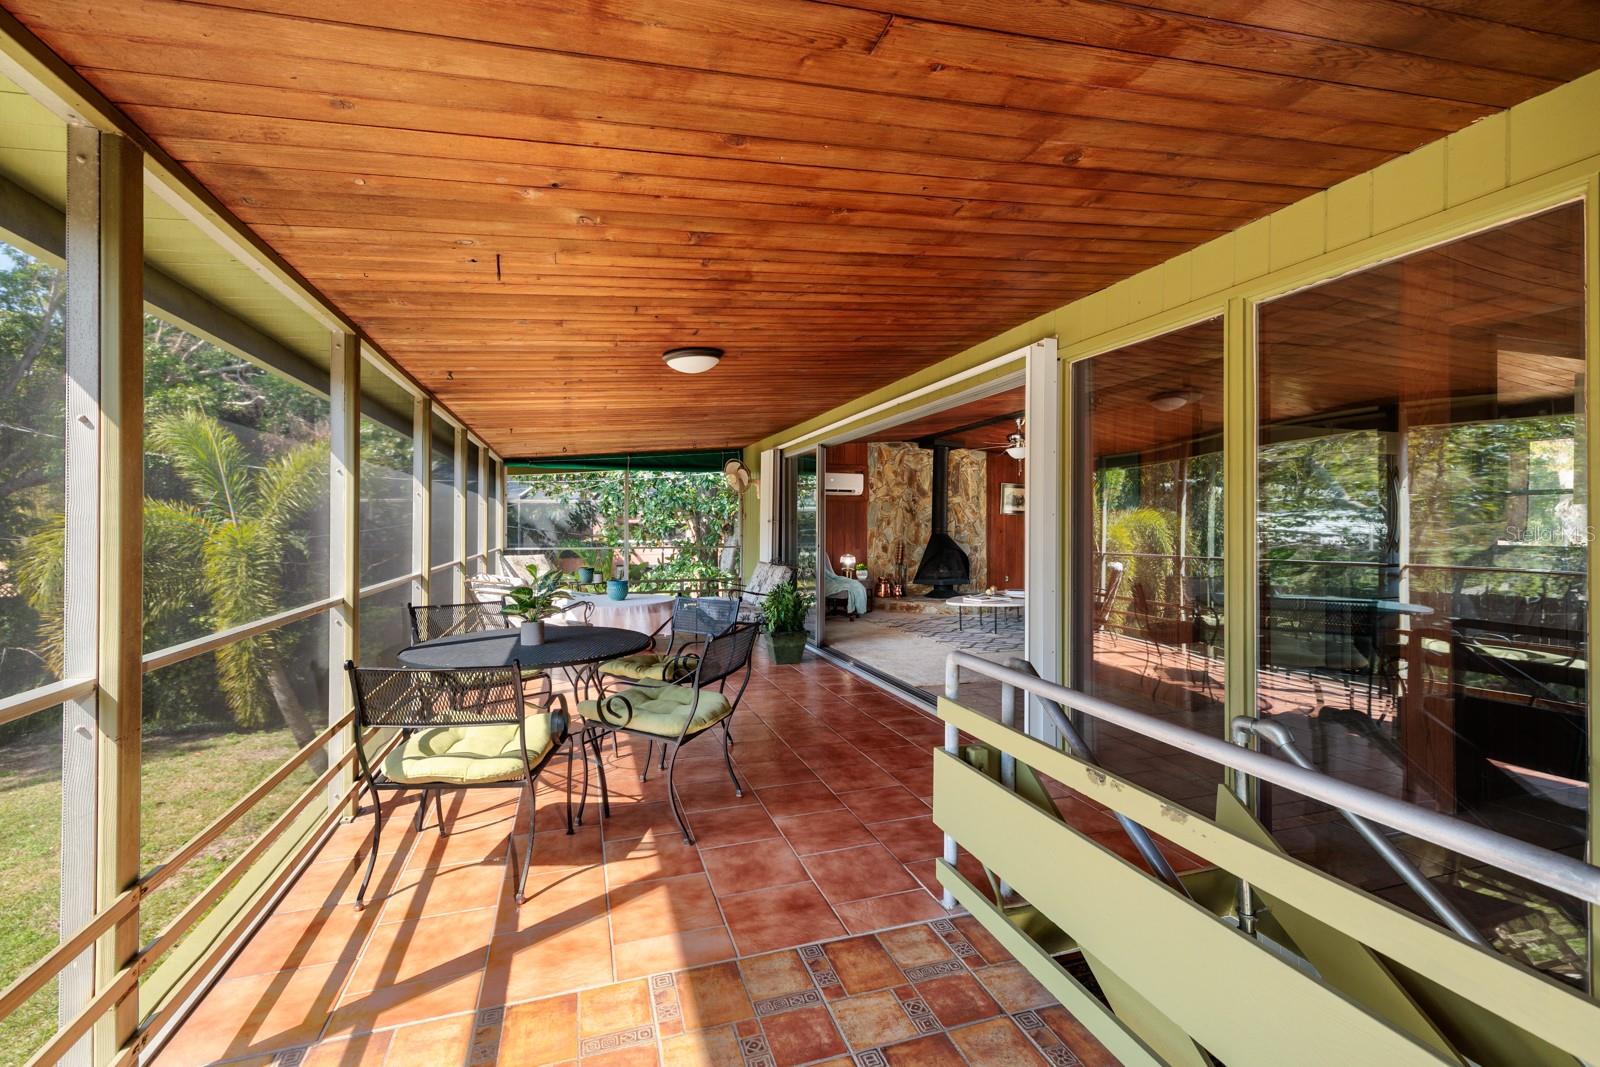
525 201
961 424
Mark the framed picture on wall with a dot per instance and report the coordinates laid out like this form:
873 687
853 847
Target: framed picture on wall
1011 498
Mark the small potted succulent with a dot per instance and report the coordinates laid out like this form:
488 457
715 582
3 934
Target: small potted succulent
533 603
785 611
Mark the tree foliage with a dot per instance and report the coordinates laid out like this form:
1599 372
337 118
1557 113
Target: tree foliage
693 513
220 555
228 496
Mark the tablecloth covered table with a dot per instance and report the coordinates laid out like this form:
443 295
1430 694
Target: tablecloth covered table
641 611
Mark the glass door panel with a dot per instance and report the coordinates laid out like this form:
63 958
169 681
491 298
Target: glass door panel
803 521
1423 530
1147 489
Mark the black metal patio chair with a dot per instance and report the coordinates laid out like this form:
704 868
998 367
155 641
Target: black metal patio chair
429 621
693 619
681 708
465 728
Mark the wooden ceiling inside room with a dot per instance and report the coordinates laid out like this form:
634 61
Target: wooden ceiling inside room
525 201
995 412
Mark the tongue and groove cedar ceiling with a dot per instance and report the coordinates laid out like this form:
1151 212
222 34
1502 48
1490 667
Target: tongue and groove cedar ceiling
523 202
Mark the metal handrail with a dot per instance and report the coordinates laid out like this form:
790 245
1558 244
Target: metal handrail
1550 869
1244 726
1080 747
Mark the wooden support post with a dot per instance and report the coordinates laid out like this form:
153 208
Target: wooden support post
422 497
80 581
344 541
105 330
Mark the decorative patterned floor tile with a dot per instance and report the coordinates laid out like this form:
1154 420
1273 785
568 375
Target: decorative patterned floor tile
755 1052
786 1003
634 1035
935 970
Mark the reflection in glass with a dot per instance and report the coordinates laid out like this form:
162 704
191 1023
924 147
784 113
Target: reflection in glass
1148 490
803 526
1422 526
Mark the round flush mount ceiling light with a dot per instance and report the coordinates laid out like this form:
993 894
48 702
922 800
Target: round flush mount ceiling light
1172 400
692 360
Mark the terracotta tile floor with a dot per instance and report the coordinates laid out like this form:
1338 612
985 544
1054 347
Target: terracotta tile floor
800 929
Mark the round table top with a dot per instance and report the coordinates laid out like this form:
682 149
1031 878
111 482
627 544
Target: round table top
979 600
564 646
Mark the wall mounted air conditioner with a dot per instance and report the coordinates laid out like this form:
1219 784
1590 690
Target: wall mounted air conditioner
843 484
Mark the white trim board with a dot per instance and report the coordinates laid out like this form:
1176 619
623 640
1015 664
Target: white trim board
833 433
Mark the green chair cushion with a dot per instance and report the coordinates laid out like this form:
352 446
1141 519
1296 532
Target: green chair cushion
459 755
662 712
641 667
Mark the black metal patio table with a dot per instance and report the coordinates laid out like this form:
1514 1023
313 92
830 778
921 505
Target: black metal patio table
578 649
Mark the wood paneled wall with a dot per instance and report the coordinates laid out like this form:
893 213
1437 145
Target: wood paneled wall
847 515
1006 532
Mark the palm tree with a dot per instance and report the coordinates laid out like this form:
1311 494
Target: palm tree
218 557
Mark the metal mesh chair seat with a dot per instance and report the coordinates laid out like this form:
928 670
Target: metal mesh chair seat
467 727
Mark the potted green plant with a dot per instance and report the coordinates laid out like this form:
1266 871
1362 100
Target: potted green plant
533 603
785 611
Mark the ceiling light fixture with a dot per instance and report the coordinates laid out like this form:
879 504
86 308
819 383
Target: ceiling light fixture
1017 444
692 360
1172 400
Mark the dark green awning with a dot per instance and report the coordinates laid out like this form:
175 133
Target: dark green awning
701 461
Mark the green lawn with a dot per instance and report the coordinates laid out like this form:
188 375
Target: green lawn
188 781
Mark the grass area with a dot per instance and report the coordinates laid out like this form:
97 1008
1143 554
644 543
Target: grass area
188 780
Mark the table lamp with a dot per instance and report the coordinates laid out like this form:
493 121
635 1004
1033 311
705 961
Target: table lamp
847 564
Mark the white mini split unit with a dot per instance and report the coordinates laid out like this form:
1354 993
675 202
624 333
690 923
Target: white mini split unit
843 484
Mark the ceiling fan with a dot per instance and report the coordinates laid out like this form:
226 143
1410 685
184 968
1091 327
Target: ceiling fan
1016 445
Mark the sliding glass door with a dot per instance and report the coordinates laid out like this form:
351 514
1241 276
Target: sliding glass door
802 530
